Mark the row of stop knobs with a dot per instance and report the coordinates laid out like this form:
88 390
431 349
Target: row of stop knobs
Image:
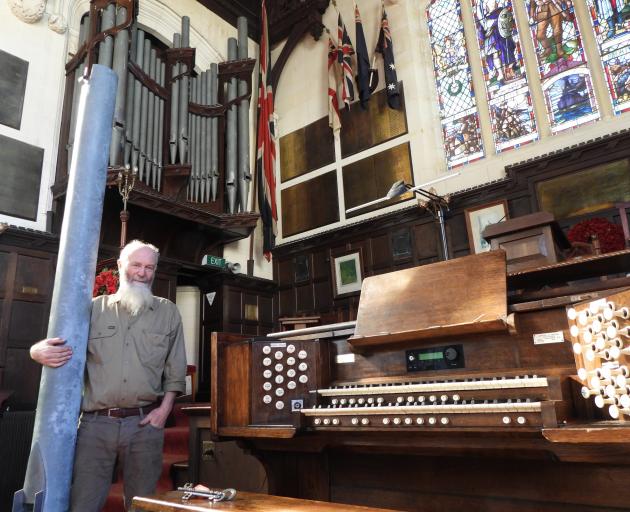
431 420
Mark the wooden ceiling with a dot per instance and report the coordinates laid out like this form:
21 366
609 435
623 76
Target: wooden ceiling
283 15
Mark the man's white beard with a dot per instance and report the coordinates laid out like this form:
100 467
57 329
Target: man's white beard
134 296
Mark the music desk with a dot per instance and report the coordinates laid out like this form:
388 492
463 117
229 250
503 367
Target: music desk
243 502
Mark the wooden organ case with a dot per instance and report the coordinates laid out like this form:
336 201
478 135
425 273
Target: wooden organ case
442 396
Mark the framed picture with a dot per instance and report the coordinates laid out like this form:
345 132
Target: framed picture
479 218
347 273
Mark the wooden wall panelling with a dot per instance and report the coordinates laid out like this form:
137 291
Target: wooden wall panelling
304 298
381 253
286 302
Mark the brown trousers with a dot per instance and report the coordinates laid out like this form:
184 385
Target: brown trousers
100 441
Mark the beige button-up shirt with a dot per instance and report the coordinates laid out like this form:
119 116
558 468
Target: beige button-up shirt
133 360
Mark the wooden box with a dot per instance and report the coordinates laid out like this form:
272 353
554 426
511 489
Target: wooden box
529 241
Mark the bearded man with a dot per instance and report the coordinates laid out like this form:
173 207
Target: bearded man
135 367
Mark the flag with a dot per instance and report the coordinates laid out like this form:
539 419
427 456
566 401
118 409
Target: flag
344 54
386 48
266 149
363 61
333 103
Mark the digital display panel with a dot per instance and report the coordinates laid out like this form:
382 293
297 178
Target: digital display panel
430 356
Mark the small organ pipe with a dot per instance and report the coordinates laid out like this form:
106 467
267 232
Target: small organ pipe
244 175
184 95
129 101
106 48
214 127
161 134
137 99
144 110
121 48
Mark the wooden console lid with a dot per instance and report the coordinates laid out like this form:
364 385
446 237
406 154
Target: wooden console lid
462 296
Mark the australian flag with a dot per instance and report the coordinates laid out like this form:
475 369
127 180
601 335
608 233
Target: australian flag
363 61
266 146
385 47
344 54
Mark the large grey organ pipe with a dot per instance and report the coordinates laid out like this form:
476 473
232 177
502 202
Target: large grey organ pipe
244 175
192 128
121 48
129 102
156 125
230 160
144 110
50 463
106 47
172 140
76 91
137 100
183 95
214 132
161 133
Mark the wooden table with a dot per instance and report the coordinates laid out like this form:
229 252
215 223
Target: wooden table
243 502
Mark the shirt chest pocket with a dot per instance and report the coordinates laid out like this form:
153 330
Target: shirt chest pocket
152 349
102 344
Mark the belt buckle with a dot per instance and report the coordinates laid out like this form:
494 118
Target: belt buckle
110 411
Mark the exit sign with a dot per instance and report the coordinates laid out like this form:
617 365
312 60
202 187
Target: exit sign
213 261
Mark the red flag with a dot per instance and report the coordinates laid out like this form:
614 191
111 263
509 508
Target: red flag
266 154
333 103
344 53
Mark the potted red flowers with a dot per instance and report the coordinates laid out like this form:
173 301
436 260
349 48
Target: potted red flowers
106 282
609 235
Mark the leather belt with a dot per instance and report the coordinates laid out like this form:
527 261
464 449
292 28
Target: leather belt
124 412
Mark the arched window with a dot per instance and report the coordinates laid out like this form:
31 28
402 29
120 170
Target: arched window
611 22
509 100
458 108
564 76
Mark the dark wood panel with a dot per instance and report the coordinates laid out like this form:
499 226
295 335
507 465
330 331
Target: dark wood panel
265 309
371 178
323 296
304 298
29 272
310 204
426 242
233 306
286 301
363 129
21 375
321 265
4 272
27 323
381 252
285 272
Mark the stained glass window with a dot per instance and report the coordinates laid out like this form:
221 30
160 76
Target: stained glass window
611 22
458 109
565 79
510 104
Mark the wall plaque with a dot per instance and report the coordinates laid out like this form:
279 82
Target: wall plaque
12 89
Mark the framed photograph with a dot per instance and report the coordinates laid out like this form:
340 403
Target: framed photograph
347 273
479 218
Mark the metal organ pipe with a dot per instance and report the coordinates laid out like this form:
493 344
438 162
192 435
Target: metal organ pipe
160 161
119 65
231 143
244 175
144 110
76 90
214 133
137 96
106 48
183 95
174 105
129 100
203 161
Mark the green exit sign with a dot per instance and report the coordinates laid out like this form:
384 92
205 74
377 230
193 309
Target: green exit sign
213 261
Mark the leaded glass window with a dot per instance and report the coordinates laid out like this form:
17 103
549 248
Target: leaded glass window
458 109
510 104
611 22
565 78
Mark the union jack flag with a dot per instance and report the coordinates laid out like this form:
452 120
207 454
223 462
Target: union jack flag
344 54
333 102
266 153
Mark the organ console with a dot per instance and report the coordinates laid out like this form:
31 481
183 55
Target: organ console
442 359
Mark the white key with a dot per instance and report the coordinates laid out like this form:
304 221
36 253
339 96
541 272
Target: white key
278 355
266 349
267 374
267 399
302 354
267 386
302 367
291 384
266 361
303 379
290 349
279 405
279 367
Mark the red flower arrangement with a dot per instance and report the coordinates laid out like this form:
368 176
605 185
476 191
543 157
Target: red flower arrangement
610 235
106 282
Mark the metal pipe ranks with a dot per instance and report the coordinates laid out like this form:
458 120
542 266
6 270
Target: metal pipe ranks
168 118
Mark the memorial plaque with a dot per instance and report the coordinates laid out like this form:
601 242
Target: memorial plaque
12 89
20 177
